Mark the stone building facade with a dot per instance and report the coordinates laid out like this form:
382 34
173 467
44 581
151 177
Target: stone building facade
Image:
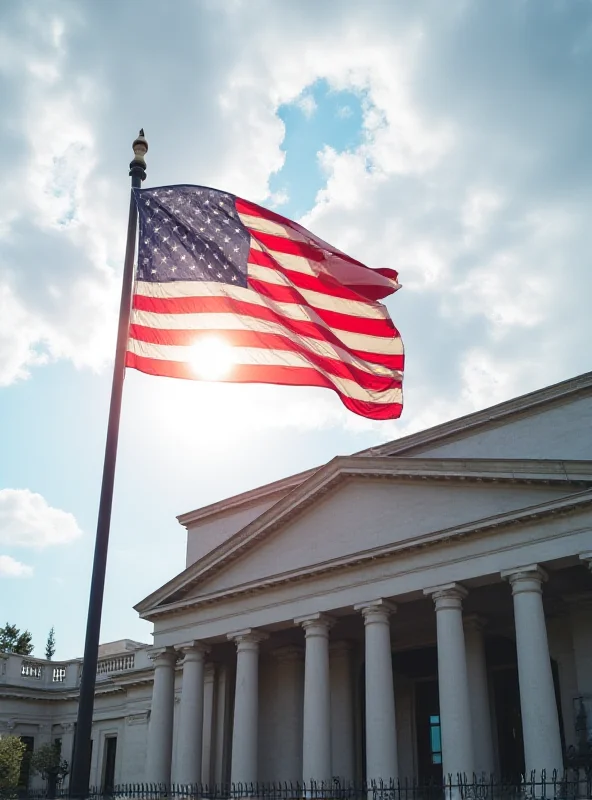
419 609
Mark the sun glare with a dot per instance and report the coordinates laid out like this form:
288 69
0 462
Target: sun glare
211 358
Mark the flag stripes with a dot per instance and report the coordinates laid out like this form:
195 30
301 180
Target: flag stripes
308 316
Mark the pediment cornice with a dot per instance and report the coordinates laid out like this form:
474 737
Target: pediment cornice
575 473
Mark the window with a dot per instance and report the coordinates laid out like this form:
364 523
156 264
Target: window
435 739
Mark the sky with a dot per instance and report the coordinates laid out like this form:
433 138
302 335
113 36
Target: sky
447 140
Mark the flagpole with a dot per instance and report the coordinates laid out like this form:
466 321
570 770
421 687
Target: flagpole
80 774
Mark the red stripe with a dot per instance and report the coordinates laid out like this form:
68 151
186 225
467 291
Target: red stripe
313 330
268 341
290 246
194 305
286 376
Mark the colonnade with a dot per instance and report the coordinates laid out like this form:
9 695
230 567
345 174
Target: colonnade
465 715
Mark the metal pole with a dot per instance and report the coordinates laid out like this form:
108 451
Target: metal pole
80 775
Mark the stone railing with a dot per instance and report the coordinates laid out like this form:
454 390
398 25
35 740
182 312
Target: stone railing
17 670
116 663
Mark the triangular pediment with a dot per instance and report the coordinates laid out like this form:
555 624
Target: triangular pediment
357 506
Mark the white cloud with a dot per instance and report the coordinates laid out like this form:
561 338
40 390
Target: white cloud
279 198
468 204
11 568
307 104
26 520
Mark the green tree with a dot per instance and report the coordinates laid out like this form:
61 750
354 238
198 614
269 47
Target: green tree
48 761
11 755
50 645
12 640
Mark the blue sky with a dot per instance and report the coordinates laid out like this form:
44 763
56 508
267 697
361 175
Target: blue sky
447 140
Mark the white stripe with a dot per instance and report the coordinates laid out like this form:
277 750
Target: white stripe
267 226
353 308
229 321
236 322
254 356
174 289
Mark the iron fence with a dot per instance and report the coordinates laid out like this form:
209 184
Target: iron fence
574 784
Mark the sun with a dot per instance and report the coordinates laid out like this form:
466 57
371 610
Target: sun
211 358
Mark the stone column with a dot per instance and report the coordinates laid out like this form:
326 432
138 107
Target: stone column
455 705
316 739
160 731
190 738
540 721
342 710
245 732
381 723
290 681
209 725
479 696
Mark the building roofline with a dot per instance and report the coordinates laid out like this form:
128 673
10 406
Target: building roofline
582 384
250 497
444 431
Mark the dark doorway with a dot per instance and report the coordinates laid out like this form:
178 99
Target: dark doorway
25 772
109 764
429 739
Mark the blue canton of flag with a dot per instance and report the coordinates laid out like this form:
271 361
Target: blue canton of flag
191 234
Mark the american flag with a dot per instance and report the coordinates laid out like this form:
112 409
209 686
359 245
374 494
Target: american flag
288 307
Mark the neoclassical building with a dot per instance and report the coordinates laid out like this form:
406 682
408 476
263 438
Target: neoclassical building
419 609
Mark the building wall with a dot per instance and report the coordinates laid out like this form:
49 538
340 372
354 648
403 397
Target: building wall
360 515
205 535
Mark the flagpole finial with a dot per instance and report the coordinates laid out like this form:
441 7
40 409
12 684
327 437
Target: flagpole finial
140 148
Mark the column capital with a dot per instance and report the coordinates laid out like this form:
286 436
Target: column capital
163 656
526 579
247 639
209 671
289 652
587 558
192 651
376 610
474 622
447 595
315 624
